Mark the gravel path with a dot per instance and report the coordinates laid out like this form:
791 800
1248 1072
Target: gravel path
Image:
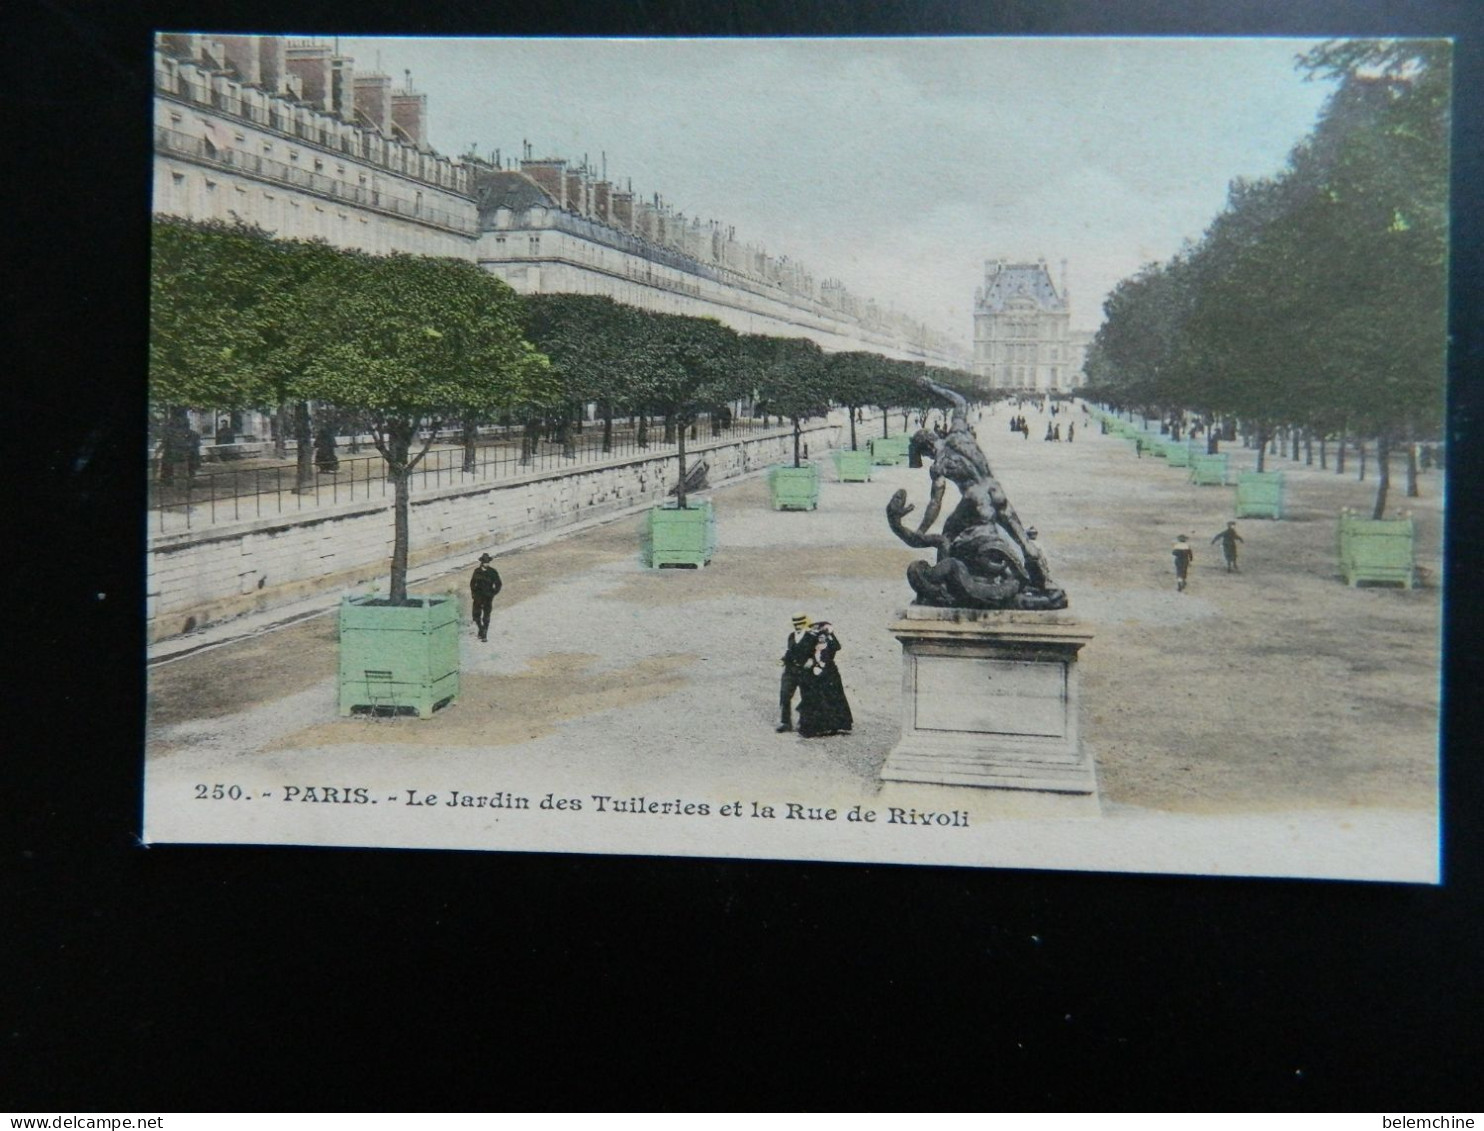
1267 722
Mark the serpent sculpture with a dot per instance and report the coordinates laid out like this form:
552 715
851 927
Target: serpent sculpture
986 558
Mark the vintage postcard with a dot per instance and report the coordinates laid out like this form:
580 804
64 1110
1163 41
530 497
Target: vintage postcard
1017 453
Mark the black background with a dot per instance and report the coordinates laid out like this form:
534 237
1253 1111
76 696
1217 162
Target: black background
234 979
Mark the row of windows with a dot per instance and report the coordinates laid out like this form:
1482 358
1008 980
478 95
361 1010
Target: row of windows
286 214
240 139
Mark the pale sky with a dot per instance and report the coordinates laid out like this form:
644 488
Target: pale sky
896 165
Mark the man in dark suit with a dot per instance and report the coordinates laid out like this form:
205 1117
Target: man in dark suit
797 651
482 587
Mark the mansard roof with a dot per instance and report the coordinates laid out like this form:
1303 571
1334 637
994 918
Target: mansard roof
1007 283
505 188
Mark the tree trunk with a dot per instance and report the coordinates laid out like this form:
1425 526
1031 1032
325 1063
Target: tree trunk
1383 474
1294 436
281 431
885 425
607 429
1360 449
1262 445
1323 452
527 441
669 428
1340 454
564 437
1412 490
642 437
1213 442
796 442
175 446
852 429
680 486
1308 447
399 441
471 453
304 438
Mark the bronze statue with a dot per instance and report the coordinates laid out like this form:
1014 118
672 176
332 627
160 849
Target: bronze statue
986 558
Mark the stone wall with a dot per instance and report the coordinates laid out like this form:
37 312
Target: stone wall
199 578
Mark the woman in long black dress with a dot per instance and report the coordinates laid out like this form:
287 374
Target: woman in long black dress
823 708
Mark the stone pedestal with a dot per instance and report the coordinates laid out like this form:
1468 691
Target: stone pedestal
990 699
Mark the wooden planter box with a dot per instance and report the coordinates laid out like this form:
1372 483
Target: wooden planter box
1260 494
675 537
889 450
794 488
1380 550
398 659
852 467
1208 471
1177 455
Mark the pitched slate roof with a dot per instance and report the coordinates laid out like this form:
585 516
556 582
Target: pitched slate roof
504 188
1004 282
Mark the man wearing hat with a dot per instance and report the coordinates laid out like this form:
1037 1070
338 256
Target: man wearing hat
483 586
1183 555
797 651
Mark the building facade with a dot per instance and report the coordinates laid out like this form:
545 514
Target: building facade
1022 336
288 135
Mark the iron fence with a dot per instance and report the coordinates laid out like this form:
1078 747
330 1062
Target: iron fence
181 502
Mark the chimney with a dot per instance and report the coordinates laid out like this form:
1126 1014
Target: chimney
602 204
177 46
273 68
574 190
342 88
242 56
311 64
551 175
623 210
410 115
373 101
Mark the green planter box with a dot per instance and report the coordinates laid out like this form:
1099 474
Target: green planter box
1380 550
1260 494
398 658
889 450
1208 471
1177 455
675 537
794 488
853 467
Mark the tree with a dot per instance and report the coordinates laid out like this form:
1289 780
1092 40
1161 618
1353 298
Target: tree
1317 299
692 364
595 349
852 382
792 379
413 342
205 343
226 326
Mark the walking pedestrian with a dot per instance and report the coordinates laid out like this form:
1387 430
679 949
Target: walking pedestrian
1056 433
1071 431
823 708
1183 556
483 586
796 652
1229 539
